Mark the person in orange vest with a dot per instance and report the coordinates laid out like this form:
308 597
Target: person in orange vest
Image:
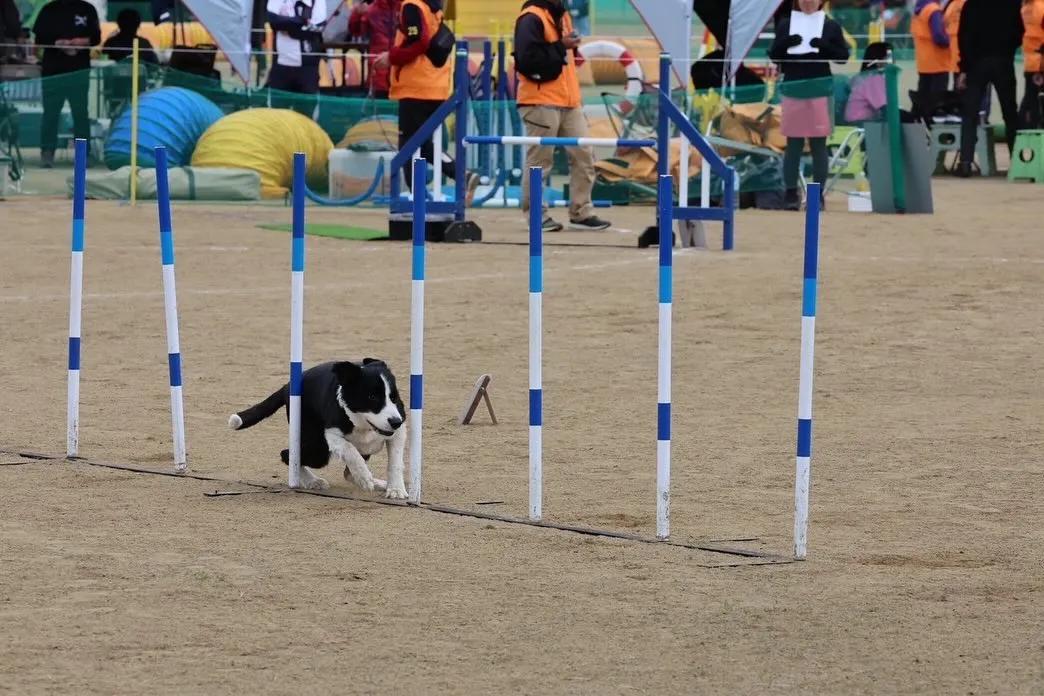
931 47
550 105
421 77
1032 48
952 21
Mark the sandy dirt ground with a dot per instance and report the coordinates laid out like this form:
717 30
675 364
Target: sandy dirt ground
924 574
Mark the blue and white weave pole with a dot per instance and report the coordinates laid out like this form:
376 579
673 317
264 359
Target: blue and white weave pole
555 142
297 264
420 211
170 307
536 348
663 380
808 343
72 440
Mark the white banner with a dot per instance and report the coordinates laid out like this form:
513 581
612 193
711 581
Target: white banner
228 21
747 18
674 36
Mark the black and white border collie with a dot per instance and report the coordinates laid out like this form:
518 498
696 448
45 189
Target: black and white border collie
348 412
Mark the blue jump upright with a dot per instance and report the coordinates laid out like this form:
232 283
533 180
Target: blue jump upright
669 113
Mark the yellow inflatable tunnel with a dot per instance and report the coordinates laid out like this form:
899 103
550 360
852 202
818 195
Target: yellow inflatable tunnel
265 140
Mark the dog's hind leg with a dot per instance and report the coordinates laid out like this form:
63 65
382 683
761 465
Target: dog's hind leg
309 480
395 445
314 455
353 461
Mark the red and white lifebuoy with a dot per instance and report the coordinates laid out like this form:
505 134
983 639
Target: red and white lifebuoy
614 51
632 68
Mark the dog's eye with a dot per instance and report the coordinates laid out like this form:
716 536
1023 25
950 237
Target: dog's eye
373 398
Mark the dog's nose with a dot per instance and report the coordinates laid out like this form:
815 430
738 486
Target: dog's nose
394 423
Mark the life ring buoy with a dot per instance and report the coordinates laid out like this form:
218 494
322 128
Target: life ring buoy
615 51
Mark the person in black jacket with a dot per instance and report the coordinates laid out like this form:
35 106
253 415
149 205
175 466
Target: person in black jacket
990 32
67 29
297 25
10 28
807 91
708 73
121 44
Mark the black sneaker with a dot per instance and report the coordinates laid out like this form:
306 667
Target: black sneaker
551 225
791 199
589 223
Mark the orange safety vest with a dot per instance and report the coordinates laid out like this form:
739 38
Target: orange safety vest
931 58
563 92
952 20
1033 38
421 79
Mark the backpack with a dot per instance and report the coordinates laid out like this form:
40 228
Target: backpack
442 45
539 67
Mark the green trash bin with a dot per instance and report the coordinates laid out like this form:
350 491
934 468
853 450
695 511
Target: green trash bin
917 167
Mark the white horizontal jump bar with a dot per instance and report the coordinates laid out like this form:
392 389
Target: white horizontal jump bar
555 142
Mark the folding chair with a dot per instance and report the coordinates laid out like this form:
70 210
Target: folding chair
846 159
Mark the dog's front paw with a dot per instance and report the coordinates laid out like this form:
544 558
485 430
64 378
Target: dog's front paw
365 483
311 482
316 483
396 493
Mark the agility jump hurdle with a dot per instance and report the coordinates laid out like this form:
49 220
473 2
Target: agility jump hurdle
665 297
446 220
166 232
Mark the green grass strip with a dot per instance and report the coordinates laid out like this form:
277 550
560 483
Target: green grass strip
358 234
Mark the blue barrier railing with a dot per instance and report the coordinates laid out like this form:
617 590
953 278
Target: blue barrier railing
668 115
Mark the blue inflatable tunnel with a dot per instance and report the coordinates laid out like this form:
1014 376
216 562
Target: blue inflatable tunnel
173 117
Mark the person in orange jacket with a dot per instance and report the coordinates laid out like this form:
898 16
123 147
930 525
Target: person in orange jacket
550 104
952 22
1032 48
421 81
931 47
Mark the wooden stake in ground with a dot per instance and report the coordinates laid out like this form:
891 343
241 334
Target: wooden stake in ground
479 393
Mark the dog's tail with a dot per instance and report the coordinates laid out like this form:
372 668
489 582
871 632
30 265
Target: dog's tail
256 414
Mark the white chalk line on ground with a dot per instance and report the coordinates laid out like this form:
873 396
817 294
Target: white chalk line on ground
645 258
648 258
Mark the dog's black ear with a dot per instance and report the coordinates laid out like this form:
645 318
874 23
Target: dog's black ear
346 372
370 361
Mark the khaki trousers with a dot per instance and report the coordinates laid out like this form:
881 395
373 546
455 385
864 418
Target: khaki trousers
544 122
